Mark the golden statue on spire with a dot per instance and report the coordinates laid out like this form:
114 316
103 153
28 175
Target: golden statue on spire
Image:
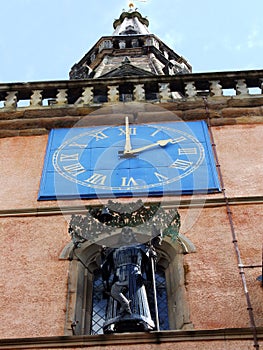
131 3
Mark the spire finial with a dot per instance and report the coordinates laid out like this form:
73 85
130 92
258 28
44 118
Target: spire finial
131 5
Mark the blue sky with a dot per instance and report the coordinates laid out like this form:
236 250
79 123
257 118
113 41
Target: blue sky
41 40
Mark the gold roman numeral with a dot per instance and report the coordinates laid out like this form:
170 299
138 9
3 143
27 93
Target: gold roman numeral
80 145
74 169
187 151
97 179
132 131
99 135
161 177
181 164
128 182
69 157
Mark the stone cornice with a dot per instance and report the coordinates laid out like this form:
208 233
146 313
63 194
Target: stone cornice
112 341
227 78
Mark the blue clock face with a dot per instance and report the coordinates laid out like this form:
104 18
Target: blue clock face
131 160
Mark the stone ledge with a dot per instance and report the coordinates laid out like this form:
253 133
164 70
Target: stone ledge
228 334
169 204
40 122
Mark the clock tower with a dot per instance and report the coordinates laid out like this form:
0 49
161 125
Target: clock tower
130 51
132 201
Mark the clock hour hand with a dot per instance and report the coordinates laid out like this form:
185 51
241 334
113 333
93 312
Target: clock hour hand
161 143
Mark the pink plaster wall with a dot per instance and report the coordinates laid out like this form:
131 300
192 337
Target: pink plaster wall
214 287
240 155
21 162
33 281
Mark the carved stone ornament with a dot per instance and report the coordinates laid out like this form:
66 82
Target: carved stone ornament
104 220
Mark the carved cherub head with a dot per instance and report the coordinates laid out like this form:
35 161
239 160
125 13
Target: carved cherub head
127 236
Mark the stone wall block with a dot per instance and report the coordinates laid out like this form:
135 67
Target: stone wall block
222 121
194 114
34 123
241 112
248 101
158 117
51 112
11 114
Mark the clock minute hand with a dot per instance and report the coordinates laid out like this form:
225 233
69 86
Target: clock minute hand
161 143
127 147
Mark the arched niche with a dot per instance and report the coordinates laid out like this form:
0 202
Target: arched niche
84 267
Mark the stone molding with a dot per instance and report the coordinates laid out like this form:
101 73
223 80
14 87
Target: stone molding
182 204
74 342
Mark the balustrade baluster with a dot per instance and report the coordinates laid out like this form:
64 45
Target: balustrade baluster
62 97
190 89
139 92
11 99
241 87
113 93
165 92
87 96
36 98
215 88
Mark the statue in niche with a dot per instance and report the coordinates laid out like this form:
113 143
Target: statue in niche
126 270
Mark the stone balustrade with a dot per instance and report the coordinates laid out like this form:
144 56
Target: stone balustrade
141 89
35 108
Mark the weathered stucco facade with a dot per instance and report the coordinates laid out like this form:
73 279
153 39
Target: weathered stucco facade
34 280
220 275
